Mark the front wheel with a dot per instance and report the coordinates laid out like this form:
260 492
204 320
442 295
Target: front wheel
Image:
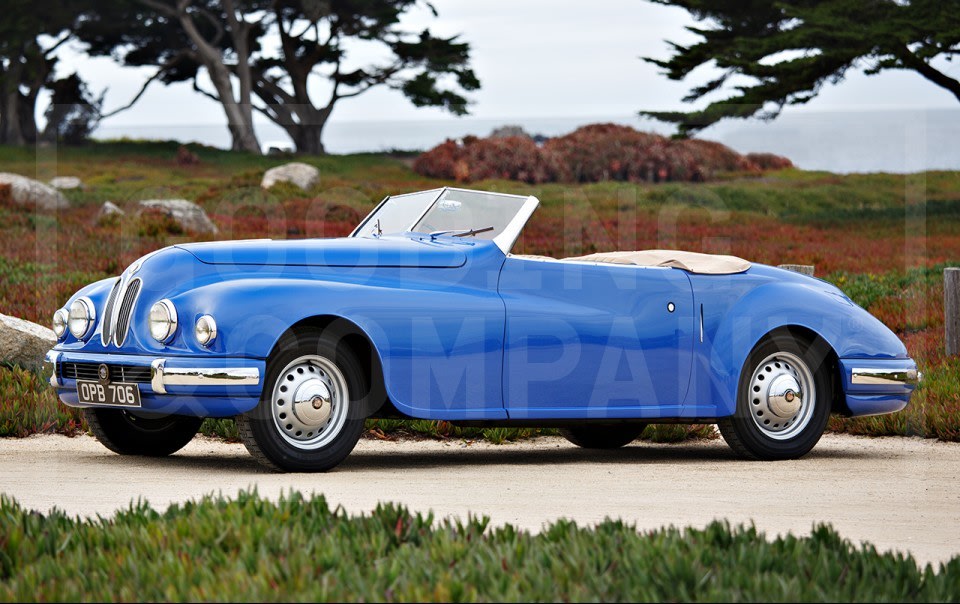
129 433
783 400
307 419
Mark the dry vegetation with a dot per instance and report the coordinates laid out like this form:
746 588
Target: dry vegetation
856 229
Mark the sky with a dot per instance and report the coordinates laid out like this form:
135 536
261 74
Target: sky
534 58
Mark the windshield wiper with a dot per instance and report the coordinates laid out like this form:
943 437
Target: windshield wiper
460 232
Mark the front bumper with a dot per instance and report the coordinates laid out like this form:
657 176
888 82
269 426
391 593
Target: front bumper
198 386
162 376
876 386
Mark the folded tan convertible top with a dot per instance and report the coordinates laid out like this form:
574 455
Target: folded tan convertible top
694 262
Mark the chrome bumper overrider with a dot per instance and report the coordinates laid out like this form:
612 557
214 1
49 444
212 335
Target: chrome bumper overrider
162 376
50 366
883 377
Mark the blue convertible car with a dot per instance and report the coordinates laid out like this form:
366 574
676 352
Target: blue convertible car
423 312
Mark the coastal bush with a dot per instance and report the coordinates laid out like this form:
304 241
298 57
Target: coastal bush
769 161
594 153
254 550
501 157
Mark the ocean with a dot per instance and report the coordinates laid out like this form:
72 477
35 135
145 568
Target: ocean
836 141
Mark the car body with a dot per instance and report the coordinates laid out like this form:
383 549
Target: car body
442 322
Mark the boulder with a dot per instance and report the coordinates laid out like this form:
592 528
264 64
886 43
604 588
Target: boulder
302 175
66 182
108 211
28 192
509 131
187 214
24 343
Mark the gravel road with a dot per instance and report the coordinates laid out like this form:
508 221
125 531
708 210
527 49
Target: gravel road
897 493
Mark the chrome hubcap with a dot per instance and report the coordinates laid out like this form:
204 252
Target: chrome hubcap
782 395
309 403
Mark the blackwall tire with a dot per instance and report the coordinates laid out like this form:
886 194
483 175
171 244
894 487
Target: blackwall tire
128 433
307 419
603 437
783 400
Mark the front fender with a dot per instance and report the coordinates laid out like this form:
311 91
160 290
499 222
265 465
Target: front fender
252 314
440 347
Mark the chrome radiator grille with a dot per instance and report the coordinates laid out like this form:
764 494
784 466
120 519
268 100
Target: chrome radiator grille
126 309
107 331
119 309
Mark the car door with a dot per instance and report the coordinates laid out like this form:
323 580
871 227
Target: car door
594 340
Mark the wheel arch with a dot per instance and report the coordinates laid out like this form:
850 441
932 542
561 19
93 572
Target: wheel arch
354 338
733 328
831 360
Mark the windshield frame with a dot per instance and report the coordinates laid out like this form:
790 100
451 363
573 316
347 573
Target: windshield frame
504 240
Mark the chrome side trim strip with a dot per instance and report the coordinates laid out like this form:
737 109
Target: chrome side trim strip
156 376
885 377
162 376
50 363
701 323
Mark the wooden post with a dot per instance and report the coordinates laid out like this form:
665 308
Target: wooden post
951 309
806 269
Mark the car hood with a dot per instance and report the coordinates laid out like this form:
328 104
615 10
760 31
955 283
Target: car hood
398 251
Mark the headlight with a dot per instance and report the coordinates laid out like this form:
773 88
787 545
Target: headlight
205 330
60 320
163 321
81 317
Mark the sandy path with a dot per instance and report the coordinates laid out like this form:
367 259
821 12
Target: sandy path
898 493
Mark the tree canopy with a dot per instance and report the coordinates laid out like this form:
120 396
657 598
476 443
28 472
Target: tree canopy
31 31
267 56
786 51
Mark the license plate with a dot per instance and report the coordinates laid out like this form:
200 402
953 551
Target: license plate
119 394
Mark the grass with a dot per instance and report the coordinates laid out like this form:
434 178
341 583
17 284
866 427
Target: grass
250 549
869 234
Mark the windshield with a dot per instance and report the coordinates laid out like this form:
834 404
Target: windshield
464 210
397 214
474 214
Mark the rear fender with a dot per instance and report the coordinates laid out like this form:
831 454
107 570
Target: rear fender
731 333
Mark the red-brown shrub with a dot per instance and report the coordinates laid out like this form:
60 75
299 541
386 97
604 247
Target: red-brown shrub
710 157
6 195
769 161
591 153
186 157
610 152
510 158
439 162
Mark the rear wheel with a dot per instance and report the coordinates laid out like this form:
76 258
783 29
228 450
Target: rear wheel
603 437
308 418
783 400
129 433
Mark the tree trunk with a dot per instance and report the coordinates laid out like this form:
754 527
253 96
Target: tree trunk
28 120
239 30
12 133
239 121
239 115
307 131
243 137
307 137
